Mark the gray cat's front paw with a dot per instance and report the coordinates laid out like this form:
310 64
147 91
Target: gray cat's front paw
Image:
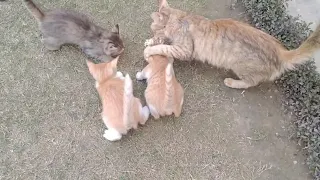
148 42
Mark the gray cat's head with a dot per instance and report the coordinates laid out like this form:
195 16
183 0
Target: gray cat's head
112 43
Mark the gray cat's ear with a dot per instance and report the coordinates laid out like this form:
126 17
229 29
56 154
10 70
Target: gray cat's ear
115 29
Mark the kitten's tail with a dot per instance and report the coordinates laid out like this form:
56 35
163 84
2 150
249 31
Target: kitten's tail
34 10
127 100
304 52
169 89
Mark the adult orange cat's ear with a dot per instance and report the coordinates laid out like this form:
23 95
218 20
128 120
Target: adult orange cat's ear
163 4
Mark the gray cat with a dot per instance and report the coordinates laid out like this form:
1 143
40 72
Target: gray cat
60 27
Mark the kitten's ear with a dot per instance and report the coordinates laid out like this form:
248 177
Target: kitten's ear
163 4
92 69
115 29
114 63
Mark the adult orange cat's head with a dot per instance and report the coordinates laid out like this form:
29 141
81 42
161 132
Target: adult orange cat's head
162 16
165 15
103 71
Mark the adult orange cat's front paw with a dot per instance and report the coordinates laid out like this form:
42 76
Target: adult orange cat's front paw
147 52
148 42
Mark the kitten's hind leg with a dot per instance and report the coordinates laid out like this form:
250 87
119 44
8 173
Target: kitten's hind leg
112 135
145 114
154 112
178 109
51 43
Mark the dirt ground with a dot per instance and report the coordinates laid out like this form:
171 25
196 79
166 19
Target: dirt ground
51 128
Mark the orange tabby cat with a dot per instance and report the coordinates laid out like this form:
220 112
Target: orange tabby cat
121 110
164 94
253 55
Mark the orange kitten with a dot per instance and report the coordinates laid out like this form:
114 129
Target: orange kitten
164 94
121 110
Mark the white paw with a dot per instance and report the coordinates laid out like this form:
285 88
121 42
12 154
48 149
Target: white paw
119 75
147 52
148 42
97 84
139 76
112 135
145 112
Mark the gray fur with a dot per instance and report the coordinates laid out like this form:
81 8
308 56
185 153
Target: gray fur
60 27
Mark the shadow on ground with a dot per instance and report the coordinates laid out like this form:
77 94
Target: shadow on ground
50 124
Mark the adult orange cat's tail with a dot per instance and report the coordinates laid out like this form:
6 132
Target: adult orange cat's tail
127 100
35 11
304 52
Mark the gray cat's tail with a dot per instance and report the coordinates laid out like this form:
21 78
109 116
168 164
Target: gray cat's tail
34 10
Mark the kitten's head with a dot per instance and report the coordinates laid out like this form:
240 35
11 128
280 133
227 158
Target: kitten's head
112 43
103 71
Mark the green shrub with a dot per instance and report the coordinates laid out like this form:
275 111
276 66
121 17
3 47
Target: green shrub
301 87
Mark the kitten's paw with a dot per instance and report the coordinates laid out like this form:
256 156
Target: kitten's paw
97 84
145 113
119 75
154 112
148 42
112 135
139 76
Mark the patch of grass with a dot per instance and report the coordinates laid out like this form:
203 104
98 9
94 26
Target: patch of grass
301 87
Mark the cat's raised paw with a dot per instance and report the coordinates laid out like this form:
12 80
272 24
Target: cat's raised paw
112 135
148 42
